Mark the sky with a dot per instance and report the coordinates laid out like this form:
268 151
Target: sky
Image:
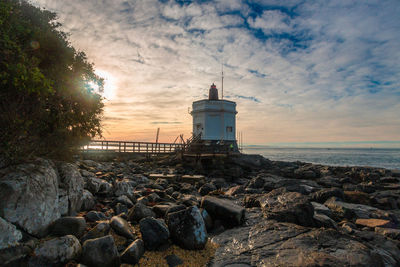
299 71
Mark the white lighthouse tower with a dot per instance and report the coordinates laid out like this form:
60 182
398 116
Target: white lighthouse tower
214 121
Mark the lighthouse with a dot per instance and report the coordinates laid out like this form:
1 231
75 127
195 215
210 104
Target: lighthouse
214 122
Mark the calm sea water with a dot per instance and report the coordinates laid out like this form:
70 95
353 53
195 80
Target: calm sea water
374 157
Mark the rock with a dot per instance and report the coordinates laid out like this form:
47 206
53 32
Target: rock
98 186
16 255
122 227
321 220
29 196
189 200
270 243
286 206
68 226
161 209
206 188
207 219
162 182
239 189
321 209
88 200
396 173
124 187
330 181
187 228
257 182
223 209
120 208
173 260
324 194
174 208
348 210
100 230
372 223
72 181
63 204
140 211
388 232
133 252
124 200
154 232
94 216
58 250
357 197
100 252
9 235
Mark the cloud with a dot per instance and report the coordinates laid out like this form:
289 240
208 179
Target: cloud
299 70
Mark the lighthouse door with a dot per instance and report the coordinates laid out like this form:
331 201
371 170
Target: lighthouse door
213 127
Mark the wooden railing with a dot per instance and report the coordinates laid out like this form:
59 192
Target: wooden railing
132 147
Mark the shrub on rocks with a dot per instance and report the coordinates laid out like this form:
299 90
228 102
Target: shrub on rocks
133 252
187 228
223 209
100 252
154 232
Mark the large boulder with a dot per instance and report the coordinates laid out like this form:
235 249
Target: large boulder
58 250
9 235
224 210
100 252
187 228
29 196
72 181
133 252
270 243
286 206
154 232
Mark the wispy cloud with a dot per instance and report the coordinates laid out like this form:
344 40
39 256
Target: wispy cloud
299 70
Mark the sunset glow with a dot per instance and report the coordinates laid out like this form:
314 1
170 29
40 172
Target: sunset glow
299 71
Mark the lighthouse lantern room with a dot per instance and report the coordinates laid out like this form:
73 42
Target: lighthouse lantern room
214 121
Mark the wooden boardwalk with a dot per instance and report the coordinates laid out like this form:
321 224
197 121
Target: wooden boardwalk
132 147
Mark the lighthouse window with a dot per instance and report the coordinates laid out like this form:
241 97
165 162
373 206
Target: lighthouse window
198 126
229 129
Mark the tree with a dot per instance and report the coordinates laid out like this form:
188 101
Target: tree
47 106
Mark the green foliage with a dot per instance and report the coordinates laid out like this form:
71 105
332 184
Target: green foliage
46 104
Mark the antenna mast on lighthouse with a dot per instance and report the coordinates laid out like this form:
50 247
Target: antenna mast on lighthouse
222 72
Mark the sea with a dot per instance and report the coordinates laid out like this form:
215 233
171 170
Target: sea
388 158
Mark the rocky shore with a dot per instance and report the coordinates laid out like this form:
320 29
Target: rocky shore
241 211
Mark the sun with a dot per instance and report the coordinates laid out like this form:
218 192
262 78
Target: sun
110 84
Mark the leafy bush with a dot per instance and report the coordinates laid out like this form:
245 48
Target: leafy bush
47 106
